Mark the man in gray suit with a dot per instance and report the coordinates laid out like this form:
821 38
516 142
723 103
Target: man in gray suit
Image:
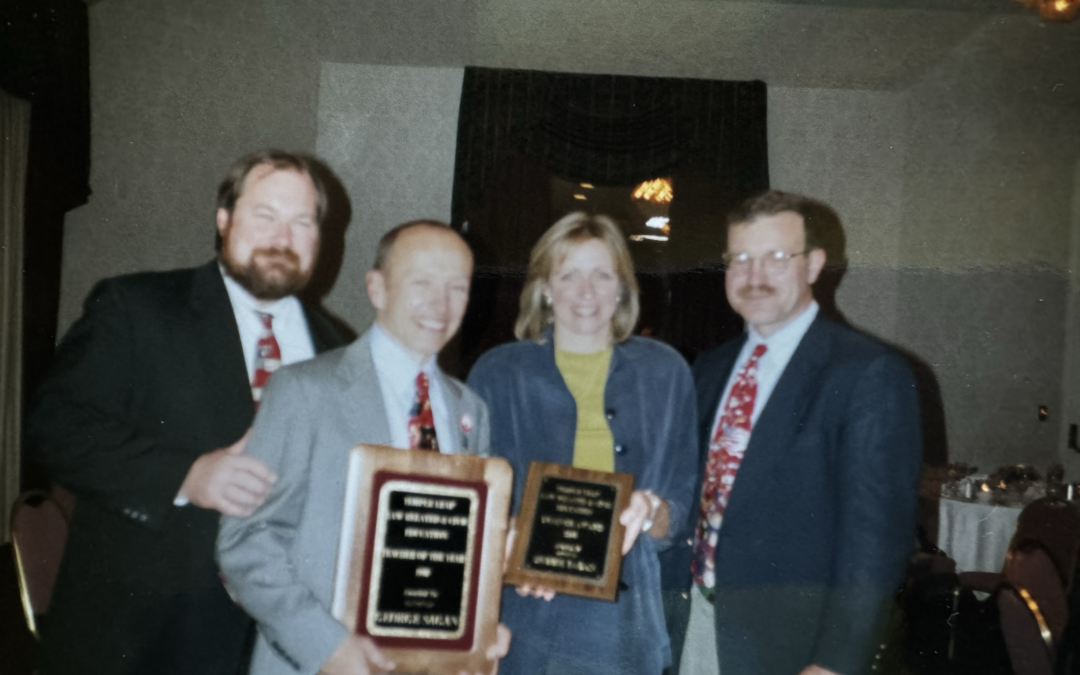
384 389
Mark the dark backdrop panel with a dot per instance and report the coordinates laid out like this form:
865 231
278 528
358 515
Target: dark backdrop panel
519 129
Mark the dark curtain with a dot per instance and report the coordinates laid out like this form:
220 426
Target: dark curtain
45 59
517 129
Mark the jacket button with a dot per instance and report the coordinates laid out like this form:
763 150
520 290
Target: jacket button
610 413
620 449
690 542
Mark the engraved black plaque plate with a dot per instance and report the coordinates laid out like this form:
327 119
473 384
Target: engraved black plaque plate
571 528
423 560
424 536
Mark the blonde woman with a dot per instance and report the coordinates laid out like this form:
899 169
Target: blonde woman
578 389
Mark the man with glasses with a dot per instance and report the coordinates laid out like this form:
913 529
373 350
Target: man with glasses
810 453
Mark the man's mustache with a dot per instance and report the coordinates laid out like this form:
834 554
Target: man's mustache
277 254
751 292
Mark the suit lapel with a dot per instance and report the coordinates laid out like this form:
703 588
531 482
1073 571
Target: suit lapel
781 421
364 409
218 340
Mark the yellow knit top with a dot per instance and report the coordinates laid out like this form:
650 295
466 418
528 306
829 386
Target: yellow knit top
585 376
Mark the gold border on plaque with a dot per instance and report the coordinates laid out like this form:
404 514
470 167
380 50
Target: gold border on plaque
379 547
517 573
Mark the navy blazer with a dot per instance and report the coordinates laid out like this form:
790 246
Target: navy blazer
821 517
649 400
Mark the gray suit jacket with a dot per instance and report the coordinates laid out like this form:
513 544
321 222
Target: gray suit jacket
279 562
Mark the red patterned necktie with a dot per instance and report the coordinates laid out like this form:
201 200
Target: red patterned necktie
726 451
421 420
267 357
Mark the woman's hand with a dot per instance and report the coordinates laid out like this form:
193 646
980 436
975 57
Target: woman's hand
645 509
544 592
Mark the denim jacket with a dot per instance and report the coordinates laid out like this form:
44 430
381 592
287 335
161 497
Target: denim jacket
650 405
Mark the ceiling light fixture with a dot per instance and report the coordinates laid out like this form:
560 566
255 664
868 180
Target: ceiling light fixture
1054 10
657 190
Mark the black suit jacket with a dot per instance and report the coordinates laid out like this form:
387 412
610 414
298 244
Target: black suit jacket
821 517
150 377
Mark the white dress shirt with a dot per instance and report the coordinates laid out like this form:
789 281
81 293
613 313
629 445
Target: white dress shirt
780 346
397 371
290 325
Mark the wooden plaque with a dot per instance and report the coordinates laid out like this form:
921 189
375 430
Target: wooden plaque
569 537
420 557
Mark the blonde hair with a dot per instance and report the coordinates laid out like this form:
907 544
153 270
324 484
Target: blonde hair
572 230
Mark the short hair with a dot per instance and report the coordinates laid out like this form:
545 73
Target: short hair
387 241
232 186
552 248
772 202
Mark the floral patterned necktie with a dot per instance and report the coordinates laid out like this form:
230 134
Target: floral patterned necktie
267 357
421 420
726 451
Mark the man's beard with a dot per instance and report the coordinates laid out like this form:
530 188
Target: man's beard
270 273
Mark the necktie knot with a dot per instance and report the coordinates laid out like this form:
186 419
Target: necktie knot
422 385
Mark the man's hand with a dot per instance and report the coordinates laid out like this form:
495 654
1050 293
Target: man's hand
499 649
357 656
817 670
228 481
635 515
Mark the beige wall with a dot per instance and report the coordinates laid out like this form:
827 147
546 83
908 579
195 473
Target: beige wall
947 141
389 132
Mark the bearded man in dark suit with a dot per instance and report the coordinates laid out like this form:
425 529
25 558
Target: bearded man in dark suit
145 417
810 453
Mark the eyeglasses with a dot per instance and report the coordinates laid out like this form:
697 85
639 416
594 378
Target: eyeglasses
773 262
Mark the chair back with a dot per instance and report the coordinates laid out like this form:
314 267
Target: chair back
1053 524
1030 568
1027 637
39 528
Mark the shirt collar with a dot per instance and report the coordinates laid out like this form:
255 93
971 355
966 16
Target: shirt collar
395 363
788 337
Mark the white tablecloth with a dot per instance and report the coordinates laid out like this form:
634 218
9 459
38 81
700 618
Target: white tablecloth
975 535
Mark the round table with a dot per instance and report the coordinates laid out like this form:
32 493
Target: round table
974 534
